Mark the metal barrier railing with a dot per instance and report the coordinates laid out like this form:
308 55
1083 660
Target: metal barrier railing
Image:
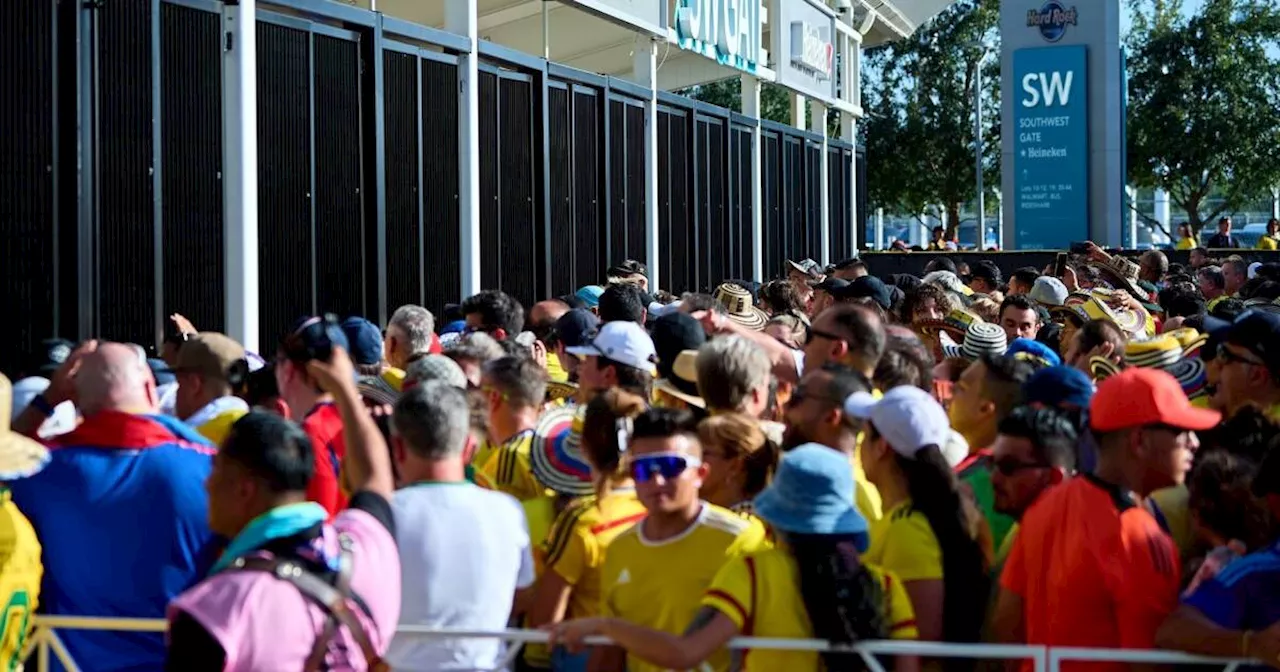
43 641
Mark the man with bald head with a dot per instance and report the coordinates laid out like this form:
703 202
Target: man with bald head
120 508
542 322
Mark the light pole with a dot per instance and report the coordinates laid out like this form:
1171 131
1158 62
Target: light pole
977 143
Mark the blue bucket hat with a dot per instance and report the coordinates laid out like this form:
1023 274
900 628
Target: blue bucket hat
812 493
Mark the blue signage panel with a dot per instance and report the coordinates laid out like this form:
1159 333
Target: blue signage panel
1051 147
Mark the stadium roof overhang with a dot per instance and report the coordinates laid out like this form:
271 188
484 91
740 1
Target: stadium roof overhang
589 40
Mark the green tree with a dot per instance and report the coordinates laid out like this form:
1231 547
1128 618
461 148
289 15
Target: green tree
918 97
1204 103
775 101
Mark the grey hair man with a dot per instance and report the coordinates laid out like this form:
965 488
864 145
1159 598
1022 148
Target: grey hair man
733 375
472 353
408 335
458 544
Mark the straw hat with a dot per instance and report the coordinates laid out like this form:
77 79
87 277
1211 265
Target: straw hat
1190 339
737 302
556 453
947 331
683 382
1157 353
20 457
1190 372
1102 368
557 390
981 338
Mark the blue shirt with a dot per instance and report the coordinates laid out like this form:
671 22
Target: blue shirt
1245 595
122 514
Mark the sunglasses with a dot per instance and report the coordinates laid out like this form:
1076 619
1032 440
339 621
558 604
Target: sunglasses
1012 467
818 333
669 465
1229 356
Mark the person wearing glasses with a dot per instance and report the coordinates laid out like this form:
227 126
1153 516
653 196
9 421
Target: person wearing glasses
1249 362
1094 525
1033 451
812 585
657 571
583 532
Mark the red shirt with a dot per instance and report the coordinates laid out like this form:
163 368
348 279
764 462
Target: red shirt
1094 569
324 425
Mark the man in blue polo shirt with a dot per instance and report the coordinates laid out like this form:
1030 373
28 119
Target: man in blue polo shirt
120 509
1236 612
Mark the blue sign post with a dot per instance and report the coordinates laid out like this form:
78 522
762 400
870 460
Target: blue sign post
1051 146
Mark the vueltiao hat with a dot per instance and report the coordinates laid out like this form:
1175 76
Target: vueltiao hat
737 303
555 454
1157 353
980 338
683 381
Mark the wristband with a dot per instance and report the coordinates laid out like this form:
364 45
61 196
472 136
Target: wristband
40 403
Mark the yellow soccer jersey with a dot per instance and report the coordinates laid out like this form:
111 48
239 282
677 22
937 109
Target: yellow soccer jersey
577 544
903 543
506 468
219 426
539 514
760 593
659 584
20 573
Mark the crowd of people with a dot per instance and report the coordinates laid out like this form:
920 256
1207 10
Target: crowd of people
1080 455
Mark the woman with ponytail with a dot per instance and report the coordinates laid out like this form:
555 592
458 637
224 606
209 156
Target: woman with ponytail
928 533
740 460
589 465
812 585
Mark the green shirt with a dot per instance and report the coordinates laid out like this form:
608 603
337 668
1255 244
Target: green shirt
976 471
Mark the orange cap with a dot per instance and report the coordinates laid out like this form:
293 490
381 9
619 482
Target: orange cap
1138 397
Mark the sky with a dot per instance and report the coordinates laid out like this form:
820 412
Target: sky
1189 7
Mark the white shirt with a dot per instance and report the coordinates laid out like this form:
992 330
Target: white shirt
464 551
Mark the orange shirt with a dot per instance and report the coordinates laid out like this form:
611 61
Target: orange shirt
1094 569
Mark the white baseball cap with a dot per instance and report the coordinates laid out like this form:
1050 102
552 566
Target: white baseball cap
624 342
907 417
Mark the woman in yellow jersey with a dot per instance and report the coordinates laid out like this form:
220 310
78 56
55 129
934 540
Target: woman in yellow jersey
739 459
1271 240
574 552
928 534
813 584
1186 241
20 566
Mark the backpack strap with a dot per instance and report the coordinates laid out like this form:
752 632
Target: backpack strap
331 598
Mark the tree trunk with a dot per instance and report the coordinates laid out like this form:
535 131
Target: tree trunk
953 222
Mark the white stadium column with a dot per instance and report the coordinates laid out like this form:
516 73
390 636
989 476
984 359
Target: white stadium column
240 171
751 108
646 74
460 19
797 111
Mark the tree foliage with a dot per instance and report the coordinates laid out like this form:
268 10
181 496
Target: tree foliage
775 101
1204 102
918 100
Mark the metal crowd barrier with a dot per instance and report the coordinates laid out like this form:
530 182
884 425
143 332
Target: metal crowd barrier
43 640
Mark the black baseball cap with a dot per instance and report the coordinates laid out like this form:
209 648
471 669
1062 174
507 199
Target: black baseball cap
672 334
868 286
48 356
987 271
1258 332
577 328
832 285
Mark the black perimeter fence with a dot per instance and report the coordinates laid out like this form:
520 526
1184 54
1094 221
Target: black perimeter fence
111 172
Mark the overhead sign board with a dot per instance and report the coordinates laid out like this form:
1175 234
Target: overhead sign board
645 15
803 47
1051 146
728 31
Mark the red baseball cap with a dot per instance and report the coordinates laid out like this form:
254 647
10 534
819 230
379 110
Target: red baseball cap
1138 397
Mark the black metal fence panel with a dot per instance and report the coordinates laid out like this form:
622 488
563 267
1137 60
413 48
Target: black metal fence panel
441 252
588 248
339 210
740 212
111 247
286 251
191 151
28 175
126 232
402 96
